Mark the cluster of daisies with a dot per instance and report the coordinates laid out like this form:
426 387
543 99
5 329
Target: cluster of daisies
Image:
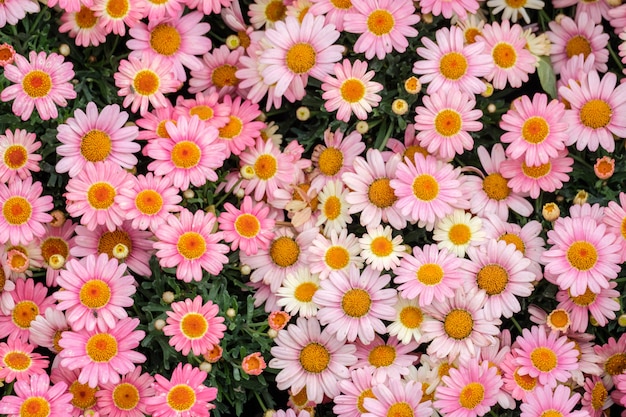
388 275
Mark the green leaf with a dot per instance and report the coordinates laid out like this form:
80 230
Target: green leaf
546 76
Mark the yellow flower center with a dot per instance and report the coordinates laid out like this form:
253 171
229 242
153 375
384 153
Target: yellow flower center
126 396
3 280
17 210
448 122
101 195
165 39
305 292
341 4
117 9
194 325
95 294
232 129
459 234
578 45
84 396
266 166
425 395
224 76
515 4
247 225
444 369
148 202
525 382
360 401
599 395
15 156
203 112
458 324
504 55
352 90
18 260
538 171
425 187
544 359
161 130
558 318
596 114
512 238
191 245
332 207
181 398
95 145
380 22
583 300
551 413
37 83
284 251
492 278
496 187
146 82
381 356
186 154
471 34
300 58
314 358
109 240
35 407
381 246
410 152
275 11
356 302
453 65
330 161
381 194
615 364
411 317
17 361
604 167
429 274
400 409
535 130
85 18
23 313
471 395
101 347
582 255
337 257
5 52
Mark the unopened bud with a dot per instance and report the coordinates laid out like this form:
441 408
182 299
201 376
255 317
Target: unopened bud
551 212
491 108
303 113
206 367
159 324
240 193
245 269
188 193
412 85
272 334
168 297
362 127
56 261
488 91
581 197
400 106
64 49
58 218
233 42
247 172
231 313
120 251
622 320
427 18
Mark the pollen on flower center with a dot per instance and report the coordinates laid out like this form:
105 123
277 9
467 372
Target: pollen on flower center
538 171
284 251
117 8
496 187
492 278
471 34
578 45
453 65
37 84
341 4
382 355
203 112
146 82
84 396
165 39
448 122
471 395
410 152
95 294
232 129
95 145
356 302
181 397
305 292
582 255
615 364
526 382
544 359
126 396
224 76
400 409
515 4
161 130
368 393
583 300
504 55
459 234
148 202
191 245
330 161
337 257
352 90
247 225
381 194
596 114
17 361
332 207
108 241
429 274
314 358
275 11
381 246
558 318
186 154
23 313
425 187
458 324
380 22
512 238
35 407
17 210
599 395
194 325
101 347
85 18
266 166
15 156
411 317
535 130
300 58
551 413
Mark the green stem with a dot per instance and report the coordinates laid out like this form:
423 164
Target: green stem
221 200
580 160
615 57
519 328
622 279
261 403
386 138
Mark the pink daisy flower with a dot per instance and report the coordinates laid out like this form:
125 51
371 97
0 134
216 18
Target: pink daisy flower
335 253
217 72
7 54
311 359
429 274
333 10
544 400
17 155
571 37
12 11
502 272
447 8
18 361
544 355
194 326
444 121
96 291
335 156
596 399
128 397
177 40
184 394
46 330
241 128
248 227
458 326
386 360
94 195
35 397
102 356
427 189
145 81
6 288
397 398
83 26
299 50
601 305
594 105
584 255
208 6
534 129
469 391
24 210
153 123
42 82
450 63
83 396
384 26
55 246
353 392
187 243
351 91
30 301
612 358
614 217
355 304
157 9
190 155
116 15
208 107
597 9
90 137
512 61
518 386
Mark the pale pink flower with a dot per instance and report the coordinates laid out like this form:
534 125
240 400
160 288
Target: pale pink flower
17 155
386 360
397 398
38 395
12 11
335 156
208 107
24 211
601 305
546 400
242 127
333 10
82 25
128 397
217 72
449 8
115 16
18 361
249 227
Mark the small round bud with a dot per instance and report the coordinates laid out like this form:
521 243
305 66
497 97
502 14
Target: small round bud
206 367
412 85
272 334
581 197
188 194
240 193
233 42
132 170
593 321
231 313
64 49
261 117
92 59
120 251
559 18
491 108
362 127
168 297
400 106
488 91
58 218
56 261
247 172
551 212
621 320
408 249
245 269
303 113
159 324
427 18
269 413
614 3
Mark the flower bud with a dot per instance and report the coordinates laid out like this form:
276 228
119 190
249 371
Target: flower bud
159 324
231 313
400 106
303 113
491 108
206 367
247 172
489 91
168 297
581 197
621 320
56 261
550 212
58 218
604 167
412 85
120 251
362 127
245 269
272 334
187 194
64 49
233 42
240 193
